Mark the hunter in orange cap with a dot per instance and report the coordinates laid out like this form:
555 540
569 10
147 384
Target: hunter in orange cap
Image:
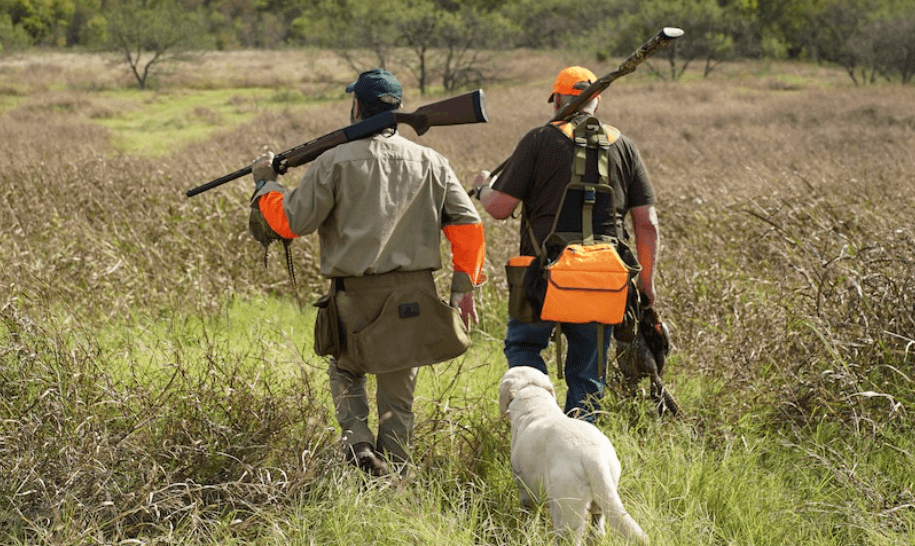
547 171
572 81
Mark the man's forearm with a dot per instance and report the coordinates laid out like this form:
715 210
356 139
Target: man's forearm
647 242
499 205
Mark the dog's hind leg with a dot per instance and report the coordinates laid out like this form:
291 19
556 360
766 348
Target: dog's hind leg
612 508
525 495
525 499
607 499
596 531
570 518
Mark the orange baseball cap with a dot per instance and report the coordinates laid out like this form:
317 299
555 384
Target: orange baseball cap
572 81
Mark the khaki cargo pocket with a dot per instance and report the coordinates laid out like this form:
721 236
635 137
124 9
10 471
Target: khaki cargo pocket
519 306
413 329
327 327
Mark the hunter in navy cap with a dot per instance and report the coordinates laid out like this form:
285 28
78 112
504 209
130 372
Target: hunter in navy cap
377 86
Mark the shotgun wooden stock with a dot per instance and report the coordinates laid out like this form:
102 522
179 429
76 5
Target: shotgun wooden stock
646 50
462 109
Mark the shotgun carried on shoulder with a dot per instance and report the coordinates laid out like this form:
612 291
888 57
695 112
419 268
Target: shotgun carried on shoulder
649 48
462 109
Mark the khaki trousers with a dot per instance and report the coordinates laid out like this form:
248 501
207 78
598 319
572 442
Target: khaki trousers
394 398
360 301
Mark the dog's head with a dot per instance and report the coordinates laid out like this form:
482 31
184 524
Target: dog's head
518 378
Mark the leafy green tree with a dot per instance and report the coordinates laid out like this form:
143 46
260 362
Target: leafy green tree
420 32
356 28
267 23
235 23
466 35
81 25
838 33
12 37
779 25
152 34
429 40
559 23
894 47
454 45
708 34
45 21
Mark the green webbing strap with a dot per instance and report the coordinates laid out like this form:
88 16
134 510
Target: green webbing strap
557 334
590 197
530 233
603 169
601 355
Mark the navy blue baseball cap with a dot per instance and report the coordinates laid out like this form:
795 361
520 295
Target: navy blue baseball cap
377 85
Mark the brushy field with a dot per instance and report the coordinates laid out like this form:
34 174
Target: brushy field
157 384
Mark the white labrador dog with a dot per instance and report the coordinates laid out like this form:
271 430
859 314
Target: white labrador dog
567 462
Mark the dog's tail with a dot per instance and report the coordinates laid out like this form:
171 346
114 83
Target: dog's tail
608 499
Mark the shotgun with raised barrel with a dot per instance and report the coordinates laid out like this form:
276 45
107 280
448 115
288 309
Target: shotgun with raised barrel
646 50
459 110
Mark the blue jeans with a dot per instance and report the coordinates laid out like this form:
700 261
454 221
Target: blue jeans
524 342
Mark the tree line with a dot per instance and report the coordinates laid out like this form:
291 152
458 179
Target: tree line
446 43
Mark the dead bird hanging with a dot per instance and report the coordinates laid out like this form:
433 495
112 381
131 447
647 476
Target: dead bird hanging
642 350
264 234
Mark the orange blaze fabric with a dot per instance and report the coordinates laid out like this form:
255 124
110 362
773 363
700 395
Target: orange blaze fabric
564 126
271 205
569 77
520 261
468 249
587 284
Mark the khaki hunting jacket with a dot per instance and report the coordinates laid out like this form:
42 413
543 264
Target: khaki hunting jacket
379 205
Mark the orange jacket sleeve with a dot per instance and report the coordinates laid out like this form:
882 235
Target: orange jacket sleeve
271 206
468 249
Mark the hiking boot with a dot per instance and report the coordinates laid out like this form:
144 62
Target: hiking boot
364 456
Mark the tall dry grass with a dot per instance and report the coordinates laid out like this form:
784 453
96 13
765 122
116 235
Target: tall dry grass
786 275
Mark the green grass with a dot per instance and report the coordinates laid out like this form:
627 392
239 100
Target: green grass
151 124
157 384
739 484
734 485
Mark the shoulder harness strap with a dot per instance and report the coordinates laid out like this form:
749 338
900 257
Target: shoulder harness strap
588 133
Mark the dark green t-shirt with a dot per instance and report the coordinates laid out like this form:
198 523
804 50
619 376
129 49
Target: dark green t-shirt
541 167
